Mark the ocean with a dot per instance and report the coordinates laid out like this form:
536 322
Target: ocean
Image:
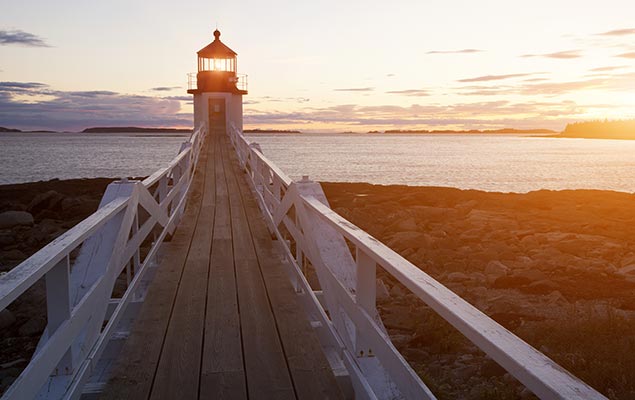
501 163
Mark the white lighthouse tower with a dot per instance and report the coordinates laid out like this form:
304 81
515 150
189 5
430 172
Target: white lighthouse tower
218 90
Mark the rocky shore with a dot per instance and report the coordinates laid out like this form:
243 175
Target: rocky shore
555 267
31 216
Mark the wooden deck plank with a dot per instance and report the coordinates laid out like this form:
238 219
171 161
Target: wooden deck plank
222 371
312 376
221 319
134 373
178 373
265 363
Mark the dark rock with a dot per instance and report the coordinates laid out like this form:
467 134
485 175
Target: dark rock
47 214
510 282
457 277
544 286
490 369
45 201
70 203
6 239
33 326
6 319
13 255
9 219
397 291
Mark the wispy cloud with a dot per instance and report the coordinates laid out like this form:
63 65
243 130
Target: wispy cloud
564 55
463 51
410 92
610 68
360 89
489 114
487 78
165 88
618 32
627 55
21 38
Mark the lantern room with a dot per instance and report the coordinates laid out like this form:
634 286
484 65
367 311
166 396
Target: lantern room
217 88
217 66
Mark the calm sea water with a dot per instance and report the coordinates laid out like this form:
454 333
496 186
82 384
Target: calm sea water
44 156
486 162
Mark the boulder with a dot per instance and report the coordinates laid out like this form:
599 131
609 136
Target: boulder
407 239
69 203
12 255
9 219
6 319
541 287
531 275
495 270
45 201
627 272
33 326
397 291
457 277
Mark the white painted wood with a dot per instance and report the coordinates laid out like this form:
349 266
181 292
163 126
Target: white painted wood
319 233
58 306
78 302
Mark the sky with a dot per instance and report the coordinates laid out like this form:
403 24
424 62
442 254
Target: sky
321 65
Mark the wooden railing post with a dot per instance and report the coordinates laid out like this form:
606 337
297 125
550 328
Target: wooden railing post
365 295
58 308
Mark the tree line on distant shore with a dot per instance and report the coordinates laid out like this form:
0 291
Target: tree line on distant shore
621 129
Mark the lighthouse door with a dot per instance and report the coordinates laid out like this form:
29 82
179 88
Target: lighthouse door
216 112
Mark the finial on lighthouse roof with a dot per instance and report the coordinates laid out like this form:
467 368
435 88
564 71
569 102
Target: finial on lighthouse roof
217 34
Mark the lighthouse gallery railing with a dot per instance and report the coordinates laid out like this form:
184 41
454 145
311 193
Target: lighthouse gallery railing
344 311
82 316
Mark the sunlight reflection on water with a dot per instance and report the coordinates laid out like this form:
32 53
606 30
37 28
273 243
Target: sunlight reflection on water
485 162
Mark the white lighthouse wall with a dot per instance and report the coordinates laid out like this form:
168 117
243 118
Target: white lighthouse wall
233 108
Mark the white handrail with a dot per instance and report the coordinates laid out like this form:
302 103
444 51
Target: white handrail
298 213
79 296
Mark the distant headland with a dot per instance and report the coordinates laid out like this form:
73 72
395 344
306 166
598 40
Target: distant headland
270 131
473 131
624 129
133 129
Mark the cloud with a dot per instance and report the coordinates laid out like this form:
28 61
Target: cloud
627 55
463 51
563 55
487 78
21 38
165 88
35 105
179 98
410 92
618 32
489 114
610 68
361 89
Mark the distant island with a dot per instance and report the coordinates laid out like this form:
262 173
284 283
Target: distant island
472 131
133 129
624 129
270 131
3 129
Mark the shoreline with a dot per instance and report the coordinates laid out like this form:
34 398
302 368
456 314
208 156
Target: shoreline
557 268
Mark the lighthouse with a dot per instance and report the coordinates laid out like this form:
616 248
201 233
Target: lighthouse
217 88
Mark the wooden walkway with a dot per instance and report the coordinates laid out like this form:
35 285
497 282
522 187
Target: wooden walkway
221 320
